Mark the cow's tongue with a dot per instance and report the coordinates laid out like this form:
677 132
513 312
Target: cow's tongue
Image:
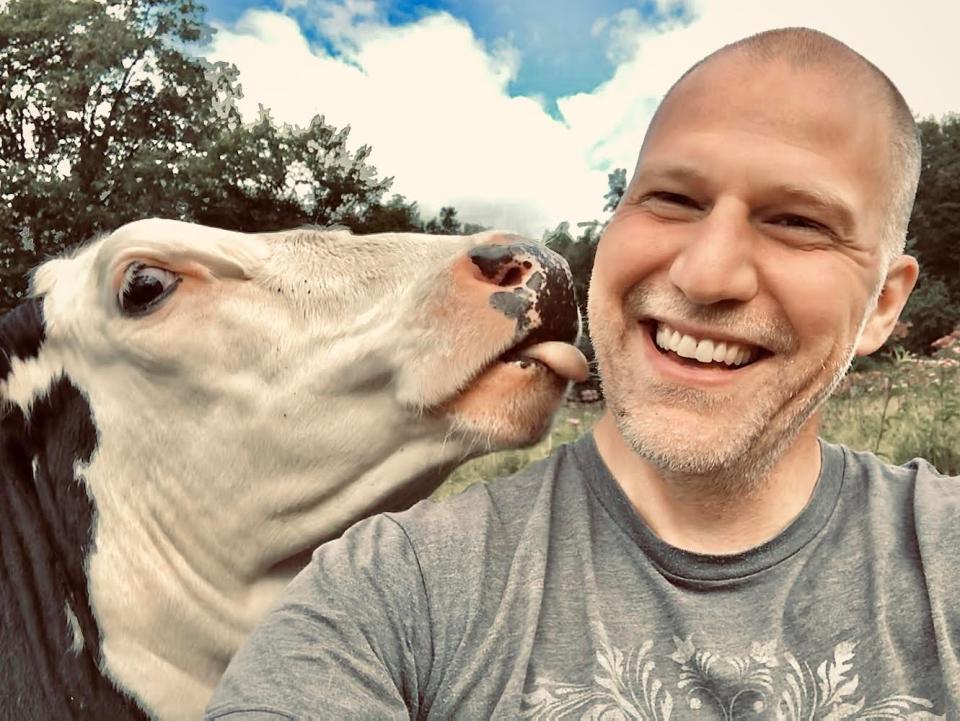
562 358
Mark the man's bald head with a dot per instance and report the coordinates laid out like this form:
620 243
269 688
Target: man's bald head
811 50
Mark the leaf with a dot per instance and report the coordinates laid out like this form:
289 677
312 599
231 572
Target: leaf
684 650
825 686
843 656
666 707
848 688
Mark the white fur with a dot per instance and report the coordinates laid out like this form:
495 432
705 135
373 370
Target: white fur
73 626
30 379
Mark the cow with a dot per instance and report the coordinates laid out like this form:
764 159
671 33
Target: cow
187 412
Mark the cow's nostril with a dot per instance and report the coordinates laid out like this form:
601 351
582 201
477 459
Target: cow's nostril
511 277
491 259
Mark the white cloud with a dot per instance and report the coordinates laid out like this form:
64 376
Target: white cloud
624 31
432 100
912 43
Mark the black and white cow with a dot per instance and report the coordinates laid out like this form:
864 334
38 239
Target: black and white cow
187 412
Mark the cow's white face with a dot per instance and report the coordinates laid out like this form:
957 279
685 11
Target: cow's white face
255 394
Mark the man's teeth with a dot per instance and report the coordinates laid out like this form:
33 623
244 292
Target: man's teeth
705 351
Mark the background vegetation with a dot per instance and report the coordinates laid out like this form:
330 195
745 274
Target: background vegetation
108 115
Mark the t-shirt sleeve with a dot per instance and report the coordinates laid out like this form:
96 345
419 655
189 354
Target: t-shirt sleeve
349 638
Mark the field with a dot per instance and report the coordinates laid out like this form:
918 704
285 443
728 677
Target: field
900 409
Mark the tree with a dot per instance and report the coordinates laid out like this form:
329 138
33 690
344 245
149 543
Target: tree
396 215
446 223
930 314
105 117
268 177
617 186
935 223
96 103
933 309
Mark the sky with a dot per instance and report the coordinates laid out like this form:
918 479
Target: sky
515 111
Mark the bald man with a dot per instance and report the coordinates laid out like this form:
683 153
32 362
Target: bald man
702 554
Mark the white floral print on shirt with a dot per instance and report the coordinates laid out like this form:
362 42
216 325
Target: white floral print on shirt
765 683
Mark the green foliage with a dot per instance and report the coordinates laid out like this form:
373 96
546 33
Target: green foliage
579 253
934 237
268 177
935 223
447 223
396 215
568 425
94 95
444 224
931 312
617 186
905 408
105 118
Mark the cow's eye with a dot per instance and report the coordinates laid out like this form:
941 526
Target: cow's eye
144 287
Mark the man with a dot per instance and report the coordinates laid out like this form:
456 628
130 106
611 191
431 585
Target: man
701 555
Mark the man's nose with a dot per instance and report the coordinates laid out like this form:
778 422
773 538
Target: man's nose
716 261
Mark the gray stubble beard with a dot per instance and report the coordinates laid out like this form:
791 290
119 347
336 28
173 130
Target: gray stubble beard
741 468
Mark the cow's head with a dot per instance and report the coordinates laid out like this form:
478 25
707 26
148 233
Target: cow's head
249 396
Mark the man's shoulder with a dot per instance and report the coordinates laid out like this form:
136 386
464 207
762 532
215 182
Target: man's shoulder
483 525
916 485
917 470
502 505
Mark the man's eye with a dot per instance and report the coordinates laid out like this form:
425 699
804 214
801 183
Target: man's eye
673 199
798 221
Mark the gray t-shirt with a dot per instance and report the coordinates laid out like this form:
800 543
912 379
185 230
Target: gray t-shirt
544 595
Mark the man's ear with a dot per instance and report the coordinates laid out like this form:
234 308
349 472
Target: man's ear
901 277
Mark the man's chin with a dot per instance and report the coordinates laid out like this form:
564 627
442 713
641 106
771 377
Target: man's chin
678 455
728 457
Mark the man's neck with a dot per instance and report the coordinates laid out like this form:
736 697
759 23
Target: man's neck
689 514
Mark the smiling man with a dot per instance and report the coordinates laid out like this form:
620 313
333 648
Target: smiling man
756 250
702 554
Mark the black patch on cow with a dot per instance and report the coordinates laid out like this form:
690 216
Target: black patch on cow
548 293
21 334
535 282
46 523
515 304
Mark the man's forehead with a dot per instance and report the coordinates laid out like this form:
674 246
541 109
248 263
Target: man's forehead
754 87
773 96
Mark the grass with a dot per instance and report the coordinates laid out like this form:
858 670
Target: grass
572 421
905 408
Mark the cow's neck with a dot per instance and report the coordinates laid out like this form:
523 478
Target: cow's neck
210 562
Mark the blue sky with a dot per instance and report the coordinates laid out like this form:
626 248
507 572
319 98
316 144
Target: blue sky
560 53
514 111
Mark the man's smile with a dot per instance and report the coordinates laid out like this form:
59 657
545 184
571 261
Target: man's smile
708 351
682 357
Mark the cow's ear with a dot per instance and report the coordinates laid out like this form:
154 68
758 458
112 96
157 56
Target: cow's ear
22 332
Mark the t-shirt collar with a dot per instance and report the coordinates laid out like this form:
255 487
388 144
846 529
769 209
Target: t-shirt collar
698 567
